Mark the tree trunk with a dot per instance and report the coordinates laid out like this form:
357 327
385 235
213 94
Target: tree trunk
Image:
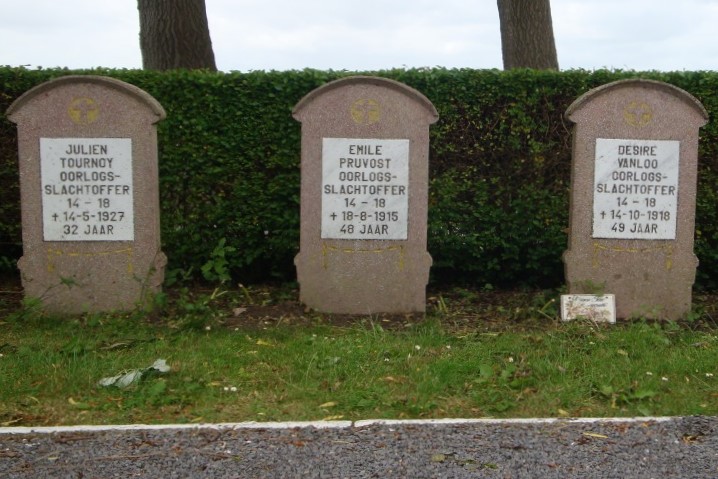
527 39
175 34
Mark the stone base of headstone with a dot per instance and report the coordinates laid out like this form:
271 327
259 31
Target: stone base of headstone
92 279
352 278
640 291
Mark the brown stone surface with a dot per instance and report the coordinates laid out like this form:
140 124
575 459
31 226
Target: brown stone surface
364 276
74 276
650 277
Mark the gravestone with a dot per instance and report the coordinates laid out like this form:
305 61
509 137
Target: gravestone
364 195
633 196
87 152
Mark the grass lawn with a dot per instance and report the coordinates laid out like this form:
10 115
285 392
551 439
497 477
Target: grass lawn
254 354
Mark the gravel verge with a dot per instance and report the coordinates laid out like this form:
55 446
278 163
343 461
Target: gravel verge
685 447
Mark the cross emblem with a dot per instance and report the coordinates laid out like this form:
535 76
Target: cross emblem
83 111
365 111
638 114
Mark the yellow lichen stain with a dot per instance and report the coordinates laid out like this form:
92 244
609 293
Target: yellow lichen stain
667 250
326 249
54 253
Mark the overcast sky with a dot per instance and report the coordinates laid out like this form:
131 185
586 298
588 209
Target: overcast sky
365 35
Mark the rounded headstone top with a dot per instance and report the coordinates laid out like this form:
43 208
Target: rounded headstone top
111 83
365 80
689 100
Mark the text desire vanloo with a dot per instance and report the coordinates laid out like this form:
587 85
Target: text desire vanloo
635 192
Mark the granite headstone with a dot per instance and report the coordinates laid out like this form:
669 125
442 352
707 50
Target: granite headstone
633 196
364 194
87 153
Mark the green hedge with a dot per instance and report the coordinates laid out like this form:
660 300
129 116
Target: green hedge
499 168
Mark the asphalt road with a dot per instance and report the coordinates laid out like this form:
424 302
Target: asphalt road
610 448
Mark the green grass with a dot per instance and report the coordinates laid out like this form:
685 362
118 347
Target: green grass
275 369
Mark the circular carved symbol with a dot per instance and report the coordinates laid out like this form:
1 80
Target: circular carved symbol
83 111
638 114
365 112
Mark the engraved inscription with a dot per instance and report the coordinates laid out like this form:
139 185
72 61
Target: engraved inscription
87 189
365 188
635 189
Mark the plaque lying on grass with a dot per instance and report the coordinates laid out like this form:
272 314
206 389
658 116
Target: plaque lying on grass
594 307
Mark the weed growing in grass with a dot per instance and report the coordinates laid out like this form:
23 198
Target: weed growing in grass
622 397
217 266
30 309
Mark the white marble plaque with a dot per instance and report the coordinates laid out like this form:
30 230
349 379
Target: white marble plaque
598 308
635 193
87 189
365 189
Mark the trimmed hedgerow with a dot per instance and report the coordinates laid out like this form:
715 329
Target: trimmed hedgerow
499 168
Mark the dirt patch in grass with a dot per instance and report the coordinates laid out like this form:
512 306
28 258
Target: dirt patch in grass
458 308
10 294
461 309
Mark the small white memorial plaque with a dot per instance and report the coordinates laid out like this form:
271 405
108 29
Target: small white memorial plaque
598 308
635 193
365 189
87 189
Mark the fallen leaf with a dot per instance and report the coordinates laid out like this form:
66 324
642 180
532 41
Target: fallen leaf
118 345
160 365
238 311
78 405
593 434
131 376
438 458
333 418
261 342
328 404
